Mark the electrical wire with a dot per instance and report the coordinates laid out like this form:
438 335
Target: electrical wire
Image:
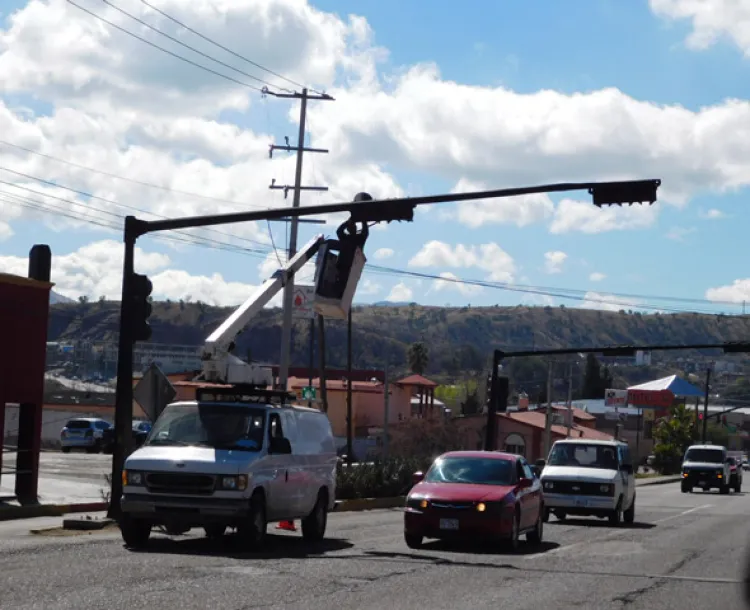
168 189
223 48
168 52
193 49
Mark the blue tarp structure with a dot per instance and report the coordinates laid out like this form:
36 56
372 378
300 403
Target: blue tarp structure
677 385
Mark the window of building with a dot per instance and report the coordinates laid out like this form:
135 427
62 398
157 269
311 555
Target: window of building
515 443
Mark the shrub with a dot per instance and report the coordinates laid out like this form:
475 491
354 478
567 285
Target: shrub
381 479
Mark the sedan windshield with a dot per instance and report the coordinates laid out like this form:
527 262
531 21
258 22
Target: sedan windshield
583 455
481 471
209 425
710 456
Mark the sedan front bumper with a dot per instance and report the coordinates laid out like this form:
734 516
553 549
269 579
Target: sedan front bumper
459 524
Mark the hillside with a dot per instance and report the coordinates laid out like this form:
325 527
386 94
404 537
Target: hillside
456 337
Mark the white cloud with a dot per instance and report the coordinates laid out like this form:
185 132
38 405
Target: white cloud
596 276
680 233
521 211
713 214
553 261
711 20
489 257
736 292
383 253
587 218
367 287
95 270
607 302
400 293
450 281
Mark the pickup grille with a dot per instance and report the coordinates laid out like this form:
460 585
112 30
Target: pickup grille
182 483
579 488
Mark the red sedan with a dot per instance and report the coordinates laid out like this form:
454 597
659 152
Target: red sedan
475 494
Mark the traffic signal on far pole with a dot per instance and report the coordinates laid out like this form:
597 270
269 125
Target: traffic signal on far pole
700 416
140 293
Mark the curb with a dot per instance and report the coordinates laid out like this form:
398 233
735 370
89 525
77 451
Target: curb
642 482
360 504
50 510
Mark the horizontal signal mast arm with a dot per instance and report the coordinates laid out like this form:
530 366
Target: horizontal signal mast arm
225 334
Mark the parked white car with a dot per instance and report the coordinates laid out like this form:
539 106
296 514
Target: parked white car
219 464
84 433
589 478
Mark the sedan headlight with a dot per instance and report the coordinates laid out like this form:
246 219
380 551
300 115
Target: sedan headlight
132 477
417 503
233 483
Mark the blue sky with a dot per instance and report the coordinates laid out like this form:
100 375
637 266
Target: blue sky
524 47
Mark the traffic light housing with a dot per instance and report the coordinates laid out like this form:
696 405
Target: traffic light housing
140 292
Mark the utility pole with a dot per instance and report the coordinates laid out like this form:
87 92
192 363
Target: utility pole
705 406
570 397
349 423
386 410
286 332
548 417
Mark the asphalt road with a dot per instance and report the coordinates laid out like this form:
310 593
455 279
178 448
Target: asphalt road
685 550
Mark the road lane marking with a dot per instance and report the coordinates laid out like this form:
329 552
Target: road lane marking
683 513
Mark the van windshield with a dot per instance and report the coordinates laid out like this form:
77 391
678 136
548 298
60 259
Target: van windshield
583 455
708 456
209 425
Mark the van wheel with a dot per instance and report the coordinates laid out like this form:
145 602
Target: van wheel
215 531
314 525
252 532
724 489
545 515
135 532
616 515
65 449
629 515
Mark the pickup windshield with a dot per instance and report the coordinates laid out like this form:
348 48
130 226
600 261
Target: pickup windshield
583 455
209 425
710 456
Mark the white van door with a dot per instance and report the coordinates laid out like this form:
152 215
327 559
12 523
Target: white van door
278 501
628 478
297 482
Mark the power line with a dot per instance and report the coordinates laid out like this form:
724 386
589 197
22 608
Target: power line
193 49
132 180
168 52
237 55
105 200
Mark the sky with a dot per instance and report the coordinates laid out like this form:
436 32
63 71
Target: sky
97 124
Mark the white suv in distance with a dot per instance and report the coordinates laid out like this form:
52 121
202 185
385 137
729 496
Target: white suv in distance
84 433
589 478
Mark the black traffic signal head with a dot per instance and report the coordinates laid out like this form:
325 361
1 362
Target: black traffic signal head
140 291
630 192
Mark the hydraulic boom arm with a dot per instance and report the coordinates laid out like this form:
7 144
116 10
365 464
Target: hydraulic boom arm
219 365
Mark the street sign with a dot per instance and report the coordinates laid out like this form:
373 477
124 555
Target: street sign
308 393
302 303
154 392
615 398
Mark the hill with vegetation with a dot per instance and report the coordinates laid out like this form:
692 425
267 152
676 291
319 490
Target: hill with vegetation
458 339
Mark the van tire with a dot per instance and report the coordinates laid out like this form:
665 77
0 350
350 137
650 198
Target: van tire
135 532
314 525
629 515
252 531
214 532
615 517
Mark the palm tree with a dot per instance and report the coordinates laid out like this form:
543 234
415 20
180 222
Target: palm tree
418 357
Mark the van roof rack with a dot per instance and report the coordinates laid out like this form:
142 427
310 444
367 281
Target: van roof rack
243 392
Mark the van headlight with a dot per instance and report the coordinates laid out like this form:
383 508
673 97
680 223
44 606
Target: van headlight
233 483
548 485
132 477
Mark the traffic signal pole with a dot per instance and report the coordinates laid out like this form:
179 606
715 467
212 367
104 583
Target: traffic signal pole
704 433
124 391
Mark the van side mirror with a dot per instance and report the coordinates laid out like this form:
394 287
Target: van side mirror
280 446
525 483
627 468
417 477
537 471
540 464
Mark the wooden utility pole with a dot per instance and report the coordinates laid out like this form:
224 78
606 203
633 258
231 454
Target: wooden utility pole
286 331
548 417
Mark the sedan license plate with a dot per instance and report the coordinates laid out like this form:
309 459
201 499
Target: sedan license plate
448 524
581 503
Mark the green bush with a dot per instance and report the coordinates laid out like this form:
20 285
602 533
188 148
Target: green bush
381 479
